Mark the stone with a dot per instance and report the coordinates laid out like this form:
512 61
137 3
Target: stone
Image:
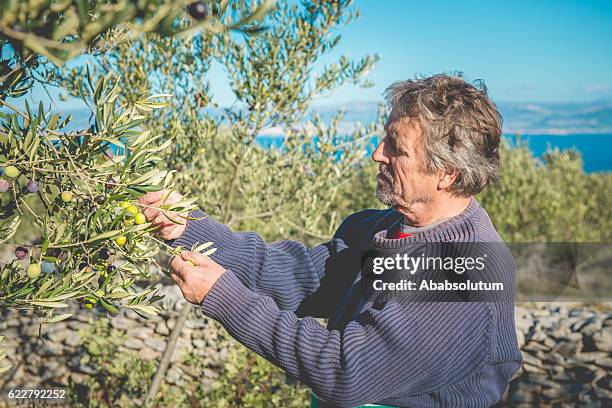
184 344
121 323
155 343
30 330
58 336
542 380
140 332
588 326
132 343
51 328
522 395
178 354
76 325
195 324
563 376
162 329
533 369
82 317
208 373
539 346
33 360
72 339
84 368
14 322
187 333
583 373
585 314
605 362
561 391
148 354
548 322
569 337
603 393
78 378
603 339
600 374
52 349
528 358
589 357
174 375
198 343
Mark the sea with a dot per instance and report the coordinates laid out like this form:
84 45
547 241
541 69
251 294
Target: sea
595 149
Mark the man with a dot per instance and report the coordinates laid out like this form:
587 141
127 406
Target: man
440 148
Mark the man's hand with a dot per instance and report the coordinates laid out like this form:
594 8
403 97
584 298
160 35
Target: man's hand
195 274
171 224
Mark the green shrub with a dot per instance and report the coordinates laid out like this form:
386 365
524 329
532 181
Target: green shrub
552 200
122 378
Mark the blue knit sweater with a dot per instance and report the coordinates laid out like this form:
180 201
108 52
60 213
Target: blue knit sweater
421 354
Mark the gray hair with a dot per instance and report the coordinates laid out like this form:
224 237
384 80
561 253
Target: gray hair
461 127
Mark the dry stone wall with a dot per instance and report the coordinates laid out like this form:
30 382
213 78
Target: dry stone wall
56 355
567 358
567 352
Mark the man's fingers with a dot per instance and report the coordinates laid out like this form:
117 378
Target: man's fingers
179 267
176 278
161 220
153 197
152 212
195 257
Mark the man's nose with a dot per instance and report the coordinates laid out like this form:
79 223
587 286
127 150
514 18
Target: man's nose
378 155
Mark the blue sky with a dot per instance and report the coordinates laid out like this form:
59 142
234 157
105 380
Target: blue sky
526 51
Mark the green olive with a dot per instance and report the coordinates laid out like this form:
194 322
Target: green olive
132 209
33 271
66 196
11 171
139 219
121 241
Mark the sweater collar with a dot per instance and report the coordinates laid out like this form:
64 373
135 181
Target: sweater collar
448 230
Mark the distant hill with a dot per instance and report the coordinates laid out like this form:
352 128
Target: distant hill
525 118
557 118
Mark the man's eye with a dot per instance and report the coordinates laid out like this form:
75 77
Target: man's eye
393 143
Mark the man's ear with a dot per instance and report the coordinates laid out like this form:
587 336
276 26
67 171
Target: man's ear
447 178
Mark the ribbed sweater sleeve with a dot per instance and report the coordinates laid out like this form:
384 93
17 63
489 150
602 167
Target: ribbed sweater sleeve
285 270
403 348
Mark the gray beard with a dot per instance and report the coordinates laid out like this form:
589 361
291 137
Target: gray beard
385 194
384 187
385 191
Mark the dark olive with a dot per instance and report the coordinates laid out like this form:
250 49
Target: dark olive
32 186
110 183
198 10
104 253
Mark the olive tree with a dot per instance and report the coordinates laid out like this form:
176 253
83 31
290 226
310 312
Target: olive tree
285 191
288 191
74 192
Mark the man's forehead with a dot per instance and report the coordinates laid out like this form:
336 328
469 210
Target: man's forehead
396 123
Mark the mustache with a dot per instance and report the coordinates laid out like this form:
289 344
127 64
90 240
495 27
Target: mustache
385 172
